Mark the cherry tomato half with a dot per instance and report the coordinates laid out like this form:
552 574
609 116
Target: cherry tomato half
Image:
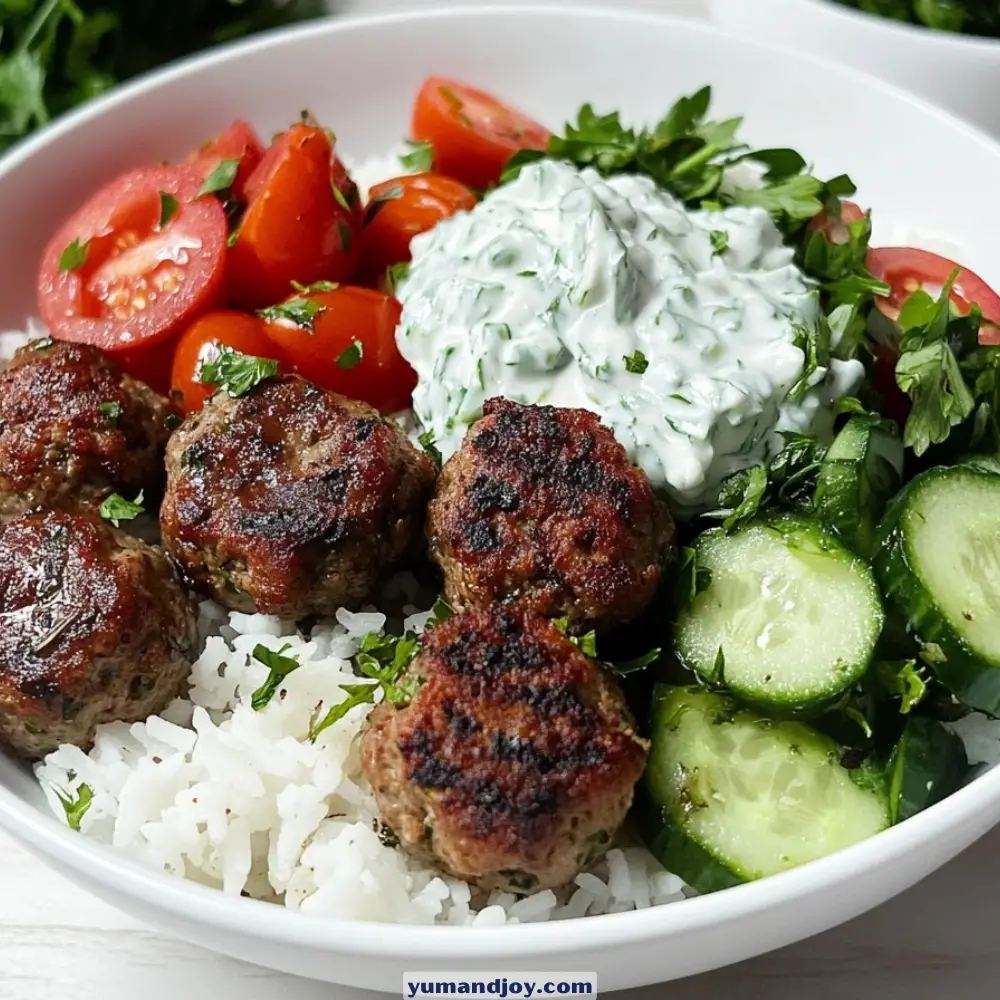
906 269
200 343
150 364
116 275
295 228
400 209
473 133
238 142
834 226
351 347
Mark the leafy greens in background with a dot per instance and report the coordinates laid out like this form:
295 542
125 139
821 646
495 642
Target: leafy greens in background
974 17
56 54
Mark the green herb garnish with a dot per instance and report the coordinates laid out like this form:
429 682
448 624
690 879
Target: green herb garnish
112 410
420 158
351 356
316 286
720 241
357 694
76 808
234 372
279 665
635 363
116 508
168 208
220 180
426 441
301 312
338 197
74 256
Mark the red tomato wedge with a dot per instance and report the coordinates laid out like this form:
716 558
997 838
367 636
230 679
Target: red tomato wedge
295 227
835 227
473 134
905 269
351 347
400 209
119 275
201 342
238 142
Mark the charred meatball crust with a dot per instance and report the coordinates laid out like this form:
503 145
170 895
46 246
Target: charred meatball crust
75 429
542 508
515 761
95 629
291 500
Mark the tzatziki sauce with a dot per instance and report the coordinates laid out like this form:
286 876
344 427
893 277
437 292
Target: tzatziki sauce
677 327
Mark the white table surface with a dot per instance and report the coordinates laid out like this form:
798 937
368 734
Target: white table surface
937 940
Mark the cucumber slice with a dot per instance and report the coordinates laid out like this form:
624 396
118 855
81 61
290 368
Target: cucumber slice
733 796
789 619
927 764
939 563
862 470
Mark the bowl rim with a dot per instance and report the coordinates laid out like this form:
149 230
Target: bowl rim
916 32
100 864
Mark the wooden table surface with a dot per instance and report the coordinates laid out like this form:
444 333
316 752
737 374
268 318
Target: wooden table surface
937 940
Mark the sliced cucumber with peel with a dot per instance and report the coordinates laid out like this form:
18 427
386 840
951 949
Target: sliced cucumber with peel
731 796
861 471
939 564
789 619
927 764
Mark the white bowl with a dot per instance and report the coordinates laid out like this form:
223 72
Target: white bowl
959 72
361 77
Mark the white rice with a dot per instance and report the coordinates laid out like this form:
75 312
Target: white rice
214 791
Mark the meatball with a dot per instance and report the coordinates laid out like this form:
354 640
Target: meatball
95 628
515 760
542 508
75 429
291 500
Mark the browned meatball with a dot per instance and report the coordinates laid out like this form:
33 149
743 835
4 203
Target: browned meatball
542 508
94 628
515 761
291 500
74 429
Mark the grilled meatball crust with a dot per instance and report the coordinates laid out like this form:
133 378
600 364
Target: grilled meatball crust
514 763
542 508
95 628
291 500
74 429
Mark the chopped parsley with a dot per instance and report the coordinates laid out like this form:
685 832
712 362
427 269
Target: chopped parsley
298 311
420 158
76 807
345 235
116 508
720 242
74 256
376 204
316 286
171 420
395 275
383 658
357 694
440 613
635 362
42 343
220 180
427 442
338 197
527 274
351 356
234 372
112 410
625 667
168 208
279 665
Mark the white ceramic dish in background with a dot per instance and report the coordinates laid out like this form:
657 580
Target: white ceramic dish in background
361 77
959 72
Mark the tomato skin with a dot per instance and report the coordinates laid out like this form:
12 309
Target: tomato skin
239 141
836 227
139 283
905 269
473 133
381 378
895 403
200 343
294 229
399 209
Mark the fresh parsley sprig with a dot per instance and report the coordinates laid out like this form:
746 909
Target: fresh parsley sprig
235 372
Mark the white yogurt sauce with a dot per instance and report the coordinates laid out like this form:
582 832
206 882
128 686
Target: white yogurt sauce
541 292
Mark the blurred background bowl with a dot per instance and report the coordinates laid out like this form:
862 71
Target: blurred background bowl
959 72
